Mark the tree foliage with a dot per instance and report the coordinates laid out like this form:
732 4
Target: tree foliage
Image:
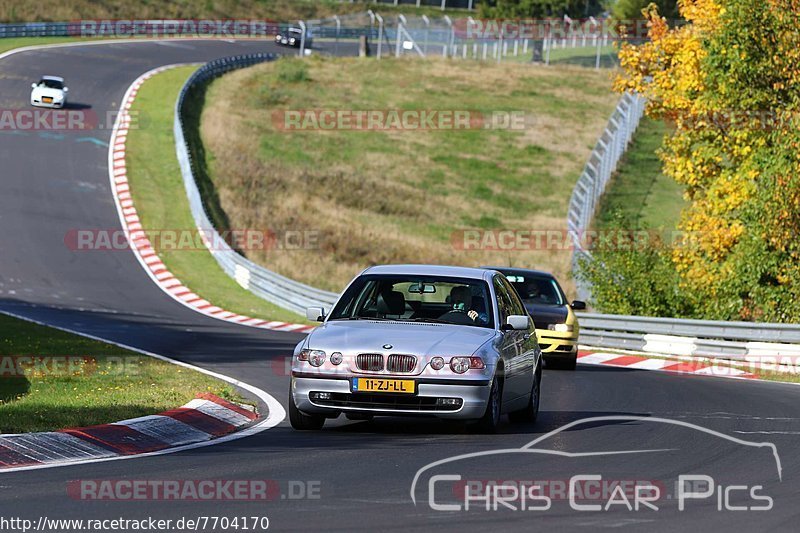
730 82
634 279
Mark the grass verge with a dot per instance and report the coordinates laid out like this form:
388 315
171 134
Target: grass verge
160 199
394 196
85 382
21 42
639 191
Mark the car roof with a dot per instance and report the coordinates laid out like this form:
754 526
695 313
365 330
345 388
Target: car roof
53 78
430 270
528 271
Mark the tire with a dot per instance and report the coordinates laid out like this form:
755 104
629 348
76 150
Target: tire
491 417
300 420
531 412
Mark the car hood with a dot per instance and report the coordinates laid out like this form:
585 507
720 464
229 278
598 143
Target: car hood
366 336
547 314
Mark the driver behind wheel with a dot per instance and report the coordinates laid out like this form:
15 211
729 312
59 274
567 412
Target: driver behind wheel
461 299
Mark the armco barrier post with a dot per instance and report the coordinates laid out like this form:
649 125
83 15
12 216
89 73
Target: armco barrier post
380 33
302 38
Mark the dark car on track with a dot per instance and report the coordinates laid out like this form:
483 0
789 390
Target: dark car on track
293 37
553 315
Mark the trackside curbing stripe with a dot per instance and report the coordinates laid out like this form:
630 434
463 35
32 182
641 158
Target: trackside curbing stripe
118 439
139 243
186 425
640 362
11 461
166 429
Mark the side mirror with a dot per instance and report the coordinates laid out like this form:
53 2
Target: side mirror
315 314
517 322
578 305
33 85
66 89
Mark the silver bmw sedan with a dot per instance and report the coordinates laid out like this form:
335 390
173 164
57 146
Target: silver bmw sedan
420 340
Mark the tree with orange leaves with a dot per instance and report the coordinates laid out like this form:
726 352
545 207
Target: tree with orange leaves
729 83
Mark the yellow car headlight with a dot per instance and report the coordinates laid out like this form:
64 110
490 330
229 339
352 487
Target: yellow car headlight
561 328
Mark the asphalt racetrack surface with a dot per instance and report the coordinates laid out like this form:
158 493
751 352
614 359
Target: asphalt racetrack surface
357 475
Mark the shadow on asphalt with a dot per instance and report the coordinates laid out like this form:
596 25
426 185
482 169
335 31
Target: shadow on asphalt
77 106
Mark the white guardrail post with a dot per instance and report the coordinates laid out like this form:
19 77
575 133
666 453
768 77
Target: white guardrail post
302 51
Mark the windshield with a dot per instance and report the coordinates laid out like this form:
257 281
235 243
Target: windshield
51 84
417 299
540 290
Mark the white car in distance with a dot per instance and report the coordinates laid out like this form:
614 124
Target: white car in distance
49 92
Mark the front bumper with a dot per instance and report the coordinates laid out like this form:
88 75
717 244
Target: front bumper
51 105
556 344
287 42
473 399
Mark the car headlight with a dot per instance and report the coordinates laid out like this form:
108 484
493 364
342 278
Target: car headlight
437 363
459 365
337 358
314 357
561 328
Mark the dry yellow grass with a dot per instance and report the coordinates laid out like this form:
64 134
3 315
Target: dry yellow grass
391 197
280 10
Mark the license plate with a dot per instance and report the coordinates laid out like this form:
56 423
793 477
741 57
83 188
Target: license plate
403 386
47 100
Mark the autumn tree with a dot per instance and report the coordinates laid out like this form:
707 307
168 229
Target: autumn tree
728 83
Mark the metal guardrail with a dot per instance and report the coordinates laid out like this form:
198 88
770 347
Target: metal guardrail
733 340
595 176
37 29
707 329
282 291
141 28
176 28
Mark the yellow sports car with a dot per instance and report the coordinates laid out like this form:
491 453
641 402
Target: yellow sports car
554 317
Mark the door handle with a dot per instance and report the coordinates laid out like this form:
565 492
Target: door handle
526 336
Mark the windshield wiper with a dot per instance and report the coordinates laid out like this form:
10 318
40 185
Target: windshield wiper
431 320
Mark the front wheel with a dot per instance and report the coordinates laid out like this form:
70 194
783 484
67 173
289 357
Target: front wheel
491 417
300 420
531 412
